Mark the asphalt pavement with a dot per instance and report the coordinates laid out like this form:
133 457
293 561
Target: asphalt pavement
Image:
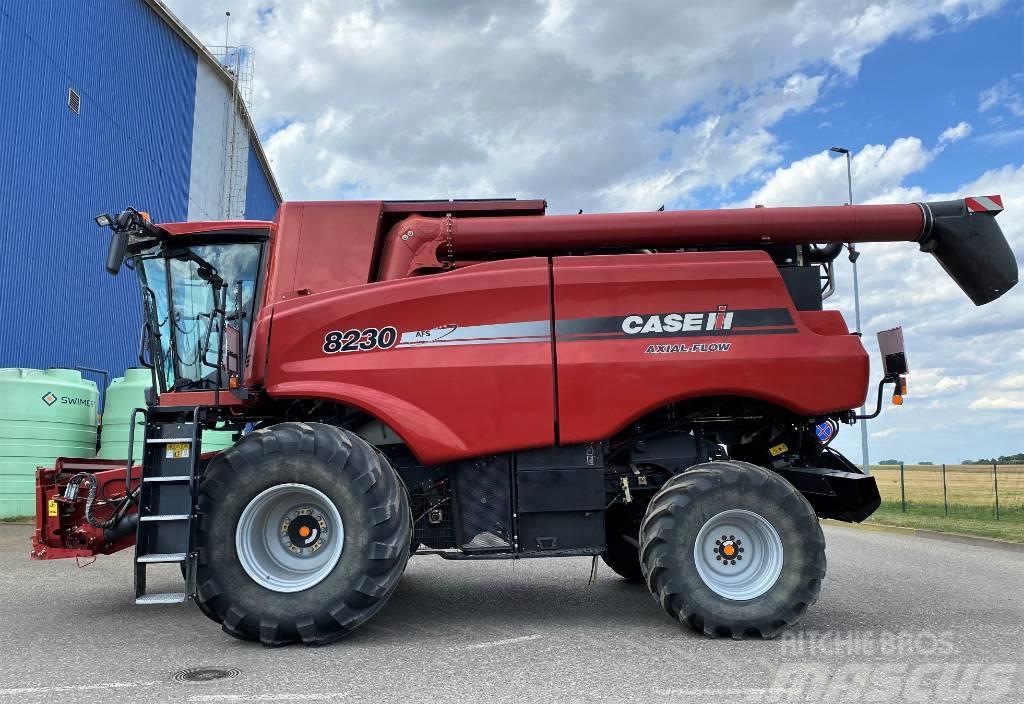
899 619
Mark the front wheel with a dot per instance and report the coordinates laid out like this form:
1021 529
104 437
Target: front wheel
304 534
732 550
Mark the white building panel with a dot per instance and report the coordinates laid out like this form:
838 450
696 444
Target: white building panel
220 152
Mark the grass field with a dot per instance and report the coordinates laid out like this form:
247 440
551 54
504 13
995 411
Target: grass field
968 504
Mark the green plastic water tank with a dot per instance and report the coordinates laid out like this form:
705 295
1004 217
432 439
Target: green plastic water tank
43 415
123 396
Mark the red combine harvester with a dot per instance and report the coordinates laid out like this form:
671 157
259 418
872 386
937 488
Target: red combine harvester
480 381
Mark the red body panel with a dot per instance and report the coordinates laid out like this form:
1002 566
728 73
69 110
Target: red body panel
328 246
800 370
446 400
467 392
199 228
223 398
325 246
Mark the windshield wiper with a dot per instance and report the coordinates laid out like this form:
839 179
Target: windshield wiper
204 269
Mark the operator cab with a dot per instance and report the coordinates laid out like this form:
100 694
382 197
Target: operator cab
198 290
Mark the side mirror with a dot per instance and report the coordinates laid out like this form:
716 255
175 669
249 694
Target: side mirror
894 356
125 219
115 253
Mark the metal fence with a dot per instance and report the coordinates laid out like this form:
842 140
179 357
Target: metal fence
975 490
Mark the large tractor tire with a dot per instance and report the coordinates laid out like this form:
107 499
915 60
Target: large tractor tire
732 550
303 535
620 554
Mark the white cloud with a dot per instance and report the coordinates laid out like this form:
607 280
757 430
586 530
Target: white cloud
1003 95
955 133
1011 381
998 402
935 382
599 106
1001 138
820 179
894 431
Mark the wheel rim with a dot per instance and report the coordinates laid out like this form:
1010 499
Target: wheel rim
289 537
738 554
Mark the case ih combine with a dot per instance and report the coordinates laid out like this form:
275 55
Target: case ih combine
480 381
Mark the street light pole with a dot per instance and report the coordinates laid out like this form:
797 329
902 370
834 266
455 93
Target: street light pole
854 255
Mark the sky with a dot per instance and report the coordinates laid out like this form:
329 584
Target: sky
617 106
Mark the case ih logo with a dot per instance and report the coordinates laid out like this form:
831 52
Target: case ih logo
720 319
49 399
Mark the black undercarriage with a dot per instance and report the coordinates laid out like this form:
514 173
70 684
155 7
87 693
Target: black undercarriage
571 500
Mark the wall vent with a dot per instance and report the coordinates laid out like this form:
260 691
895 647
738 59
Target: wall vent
74 101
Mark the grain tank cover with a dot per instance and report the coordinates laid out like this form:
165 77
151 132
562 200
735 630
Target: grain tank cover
43 415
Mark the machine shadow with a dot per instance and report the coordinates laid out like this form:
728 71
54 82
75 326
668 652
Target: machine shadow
515 600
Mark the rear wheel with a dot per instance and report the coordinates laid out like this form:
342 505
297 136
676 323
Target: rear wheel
303 535
732 550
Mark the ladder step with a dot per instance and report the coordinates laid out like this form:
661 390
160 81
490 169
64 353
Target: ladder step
165 517
172 478
164 441
163 557
166 598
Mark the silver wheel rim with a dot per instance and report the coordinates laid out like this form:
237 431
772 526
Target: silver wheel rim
289 538
738 554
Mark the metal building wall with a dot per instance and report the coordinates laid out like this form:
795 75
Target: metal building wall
130 144
260 201
211 194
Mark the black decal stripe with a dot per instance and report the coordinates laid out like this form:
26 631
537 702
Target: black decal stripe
694 333
742 318
588 325
766 317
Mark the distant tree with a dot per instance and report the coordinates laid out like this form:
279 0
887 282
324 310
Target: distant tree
891 462
925 462
1001 459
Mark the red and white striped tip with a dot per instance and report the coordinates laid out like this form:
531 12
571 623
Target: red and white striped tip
984 204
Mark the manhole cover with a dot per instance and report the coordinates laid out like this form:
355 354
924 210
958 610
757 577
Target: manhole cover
206 674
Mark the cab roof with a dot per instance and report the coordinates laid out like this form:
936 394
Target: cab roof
194 228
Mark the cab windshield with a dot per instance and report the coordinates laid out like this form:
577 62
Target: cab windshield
199 309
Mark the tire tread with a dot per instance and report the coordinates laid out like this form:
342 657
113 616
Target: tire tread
675 497
357 463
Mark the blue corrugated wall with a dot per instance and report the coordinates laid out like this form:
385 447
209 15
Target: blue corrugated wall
260 202
130 145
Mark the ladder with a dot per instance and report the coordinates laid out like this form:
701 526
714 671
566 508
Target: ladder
167 498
